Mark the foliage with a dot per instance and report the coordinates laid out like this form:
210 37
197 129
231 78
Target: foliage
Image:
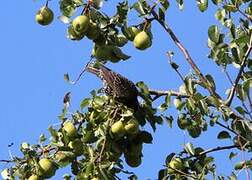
94 139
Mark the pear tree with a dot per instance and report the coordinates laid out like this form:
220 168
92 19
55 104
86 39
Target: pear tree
103 136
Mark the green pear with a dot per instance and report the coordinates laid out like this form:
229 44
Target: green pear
70 129
174 164
47 167
80 23
132 127
34 177
73 35
142 41
44 16
118 129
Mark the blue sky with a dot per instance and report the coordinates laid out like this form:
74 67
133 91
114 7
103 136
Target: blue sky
35 58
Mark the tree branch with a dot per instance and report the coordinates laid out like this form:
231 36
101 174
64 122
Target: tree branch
238 77
227 128
244 14
185 53
165 93
189 59
219 148
6 161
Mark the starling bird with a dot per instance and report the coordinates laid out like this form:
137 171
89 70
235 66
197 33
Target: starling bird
117 86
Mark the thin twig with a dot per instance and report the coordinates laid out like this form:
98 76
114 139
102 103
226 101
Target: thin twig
227 128
228 76
6 161
183 173
82 72
238 77
247 110
185 53
170 61
244 14
219 148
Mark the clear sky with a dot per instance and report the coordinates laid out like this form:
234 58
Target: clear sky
33 60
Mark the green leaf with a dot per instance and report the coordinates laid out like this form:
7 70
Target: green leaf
232 155
169 158
53 132
202 5
169 120
145 137
67 7
141 7
190 85
122 11
214 33
165 4
240 110
98 100
239 165
42 138
190 149
64 19
161 14
223 135
233 176
6 174
174 65
117 52
213 120
210 81
66 77
180 4
220 15
85 102
162 174
216 2
230 7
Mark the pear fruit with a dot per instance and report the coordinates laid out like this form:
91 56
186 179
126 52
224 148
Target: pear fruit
142 41
47 167
174 164
80 23
70 129
118 129
34 177
73 35
44 16
132 127
133 161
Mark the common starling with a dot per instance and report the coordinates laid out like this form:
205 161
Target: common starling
117 86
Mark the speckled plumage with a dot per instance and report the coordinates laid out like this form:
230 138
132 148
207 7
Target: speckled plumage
117 86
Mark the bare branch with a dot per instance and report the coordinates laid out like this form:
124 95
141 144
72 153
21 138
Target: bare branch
170 61
227 128
238 77
219 148
165 93
185 53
